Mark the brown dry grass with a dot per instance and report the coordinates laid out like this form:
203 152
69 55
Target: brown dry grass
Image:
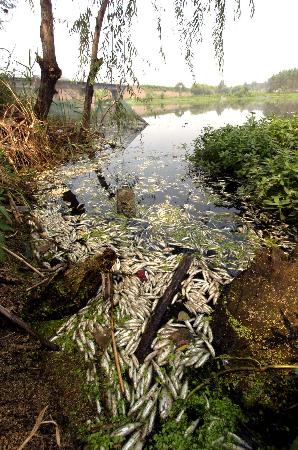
23 138
29 143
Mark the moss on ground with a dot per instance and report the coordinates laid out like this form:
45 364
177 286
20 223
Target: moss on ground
254 324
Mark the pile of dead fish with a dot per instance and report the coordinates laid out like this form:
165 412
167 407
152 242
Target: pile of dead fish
140 277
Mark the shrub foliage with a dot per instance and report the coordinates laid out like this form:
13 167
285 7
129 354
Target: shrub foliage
261 155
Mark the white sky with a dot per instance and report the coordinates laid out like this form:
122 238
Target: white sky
254 48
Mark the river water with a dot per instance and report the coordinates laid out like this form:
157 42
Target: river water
174 204
156 160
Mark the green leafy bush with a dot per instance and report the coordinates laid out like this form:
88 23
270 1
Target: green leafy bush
262 155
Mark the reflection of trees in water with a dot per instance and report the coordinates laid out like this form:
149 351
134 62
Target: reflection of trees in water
280 109
199 109
267 107
193 109
219 108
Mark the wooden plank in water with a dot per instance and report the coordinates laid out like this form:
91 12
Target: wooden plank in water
165 300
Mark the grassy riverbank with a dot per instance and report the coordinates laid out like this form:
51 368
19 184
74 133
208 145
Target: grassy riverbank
215 99
261 156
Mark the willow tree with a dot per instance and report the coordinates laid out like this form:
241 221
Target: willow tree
5 7
50 71
113 29
95 64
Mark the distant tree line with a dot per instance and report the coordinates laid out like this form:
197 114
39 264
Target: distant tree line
222 89
284 81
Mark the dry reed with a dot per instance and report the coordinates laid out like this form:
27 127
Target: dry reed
23 138
27 142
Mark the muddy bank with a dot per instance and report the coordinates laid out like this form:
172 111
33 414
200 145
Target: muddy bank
255 325
29 383
25 388
258 313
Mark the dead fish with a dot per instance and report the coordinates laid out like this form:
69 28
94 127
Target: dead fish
146 411
137 405
239 440
202 360
131 443
180 415
210 348
151 420
126 429
158 371
165 403
184 390
192 427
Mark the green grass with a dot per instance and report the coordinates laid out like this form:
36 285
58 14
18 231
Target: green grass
217 98
186 99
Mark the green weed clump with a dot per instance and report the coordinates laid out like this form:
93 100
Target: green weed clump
261 155
218 415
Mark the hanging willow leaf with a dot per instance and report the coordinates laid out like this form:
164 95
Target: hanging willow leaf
118 49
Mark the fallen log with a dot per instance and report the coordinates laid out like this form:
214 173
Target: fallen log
165 300
20 323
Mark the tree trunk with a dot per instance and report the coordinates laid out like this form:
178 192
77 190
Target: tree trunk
50 71
94 66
